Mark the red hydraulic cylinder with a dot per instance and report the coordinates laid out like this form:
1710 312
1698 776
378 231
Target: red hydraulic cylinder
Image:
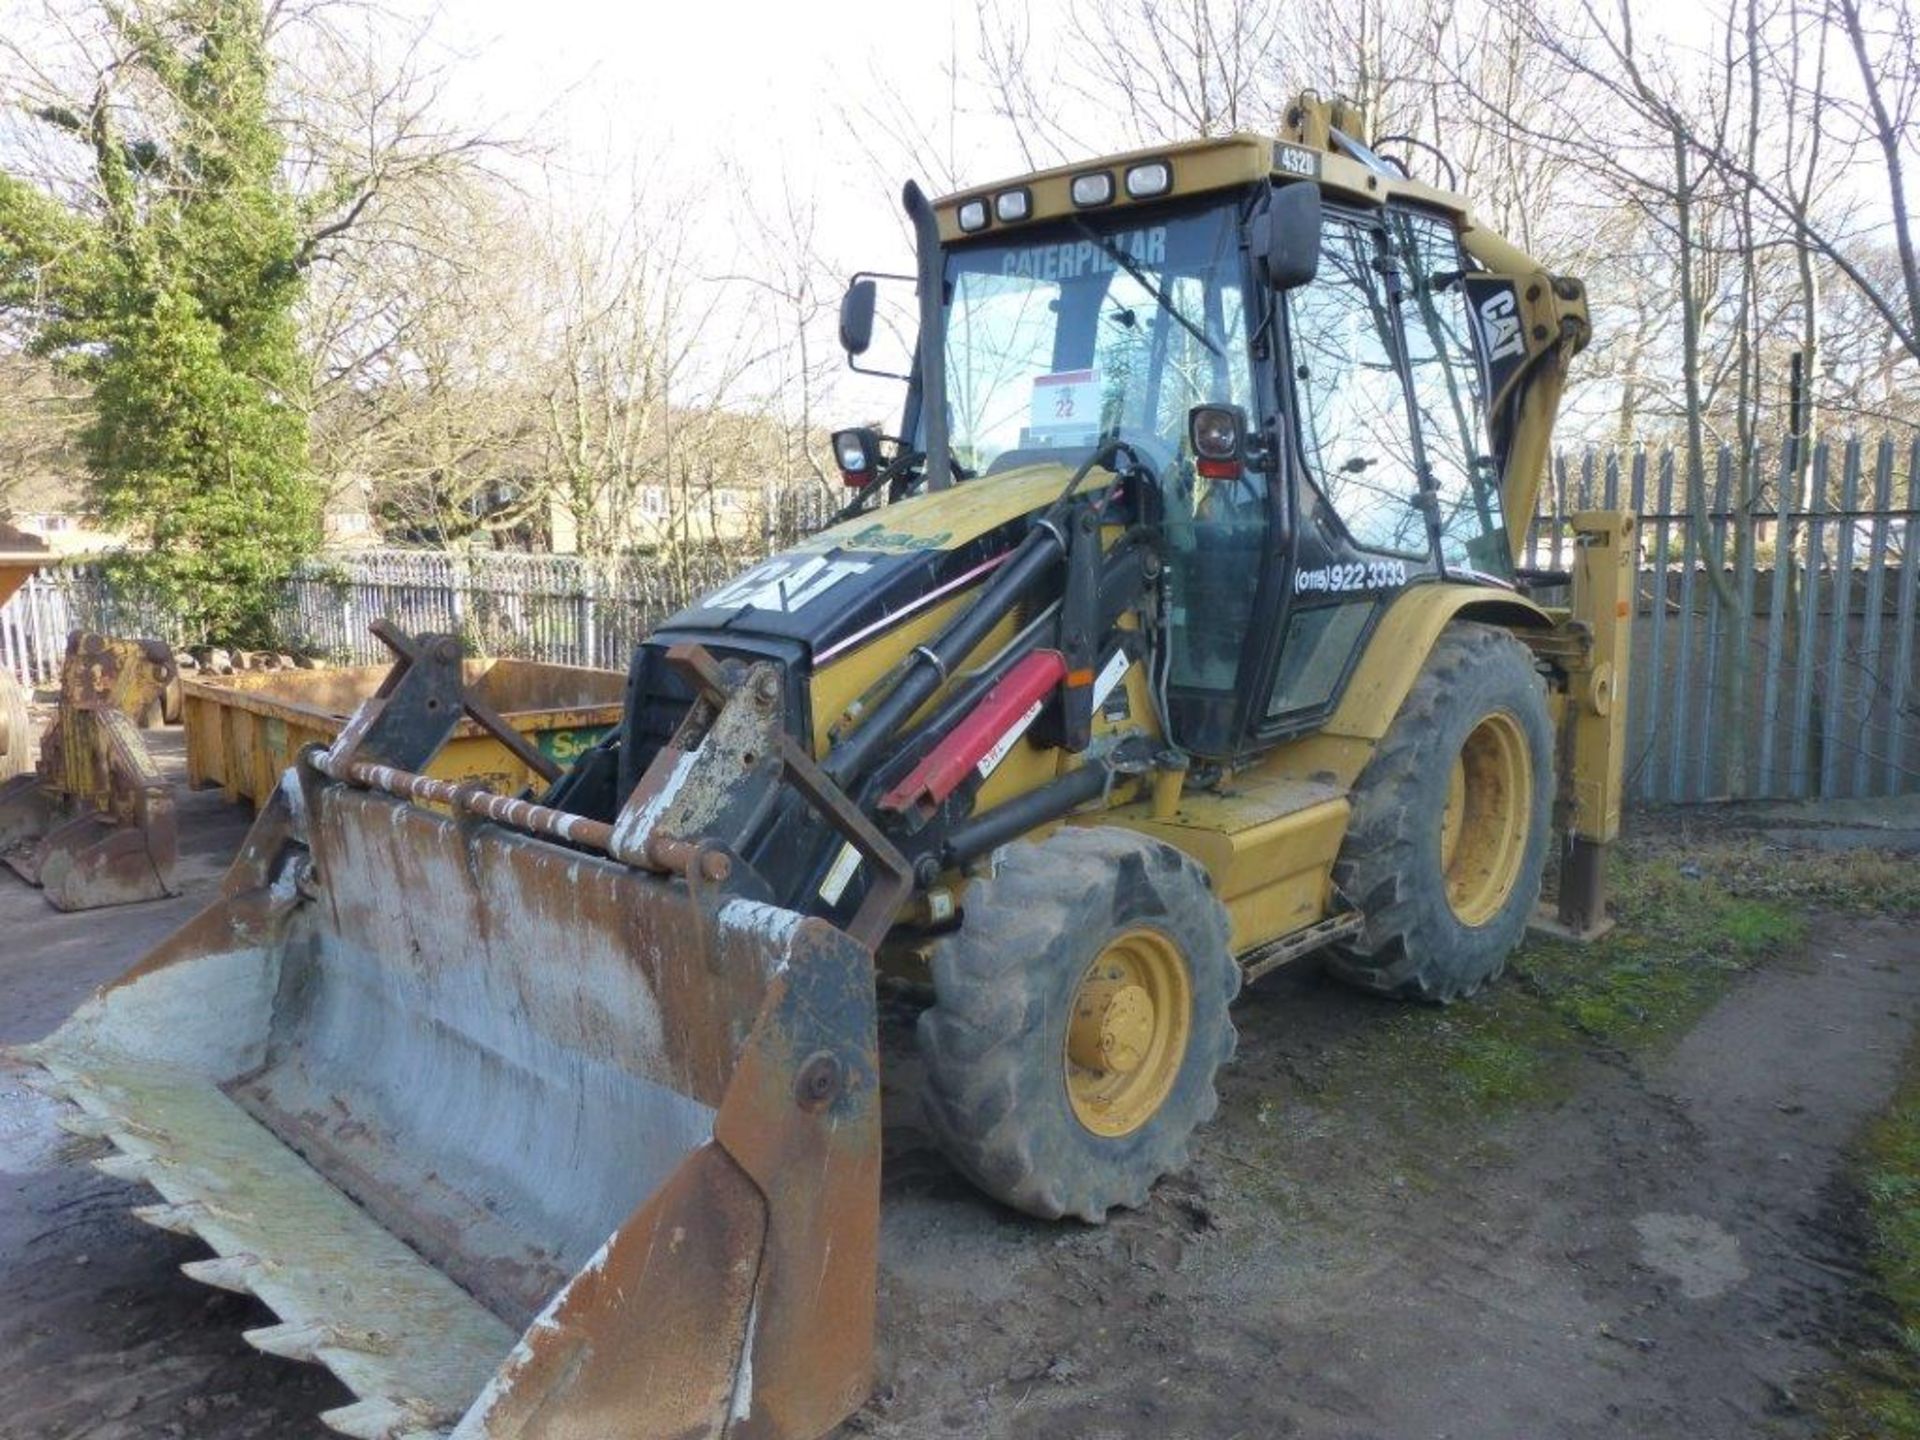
983 737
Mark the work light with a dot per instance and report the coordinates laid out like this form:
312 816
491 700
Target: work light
857 453
1217 434
1153 178
1093 188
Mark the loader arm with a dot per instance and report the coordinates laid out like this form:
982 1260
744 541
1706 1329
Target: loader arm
1532 324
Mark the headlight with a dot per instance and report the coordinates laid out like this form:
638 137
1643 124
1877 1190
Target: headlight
973 215
857 453
1012 205
1218 435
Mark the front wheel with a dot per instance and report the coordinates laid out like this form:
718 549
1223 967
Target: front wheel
1079 1019
1450 823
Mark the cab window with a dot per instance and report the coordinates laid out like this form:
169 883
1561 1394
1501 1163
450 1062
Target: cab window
1446 385
1352 414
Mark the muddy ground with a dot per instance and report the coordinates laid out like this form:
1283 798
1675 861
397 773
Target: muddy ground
1661 1246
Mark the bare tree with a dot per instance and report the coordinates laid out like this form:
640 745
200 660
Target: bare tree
426 368
41 414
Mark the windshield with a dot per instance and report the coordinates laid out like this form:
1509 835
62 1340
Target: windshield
1084 330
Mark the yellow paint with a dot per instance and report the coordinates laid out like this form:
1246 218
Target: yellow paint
1200 167
1400 646
1605 559
946 519
243 731
1489 810
1269 843
1127 1032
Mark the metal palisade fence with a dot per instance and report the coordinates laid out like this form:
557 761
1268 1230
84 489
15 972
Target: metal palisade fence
34 626
558 608
1790 675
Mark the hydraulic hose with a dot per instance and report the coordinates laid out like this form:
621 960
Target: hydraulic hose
928 666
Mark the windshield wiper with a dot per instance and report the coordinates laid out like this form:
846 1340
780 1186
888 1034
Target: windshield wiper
1125 262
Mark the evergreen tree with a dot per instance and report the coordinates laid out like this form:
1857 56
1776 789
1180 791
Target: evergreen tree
168 284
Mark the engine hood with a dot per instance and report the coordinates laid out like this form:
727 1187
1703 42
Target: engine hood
850 581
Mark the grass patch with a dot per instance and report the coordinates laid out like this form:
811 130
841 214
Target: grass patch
1680 934
1877 1396
1875 882
1683 931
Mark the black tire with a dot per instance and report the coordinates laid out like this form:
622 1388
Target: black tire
16 742
1414 943
994 1042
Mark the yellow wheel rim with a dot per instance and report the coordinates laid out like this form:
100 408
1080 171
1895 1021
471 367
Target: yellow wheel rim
1483 830
1127 1032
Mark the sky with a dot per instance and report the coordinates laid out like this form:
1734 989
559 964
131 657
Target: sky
772 79
731 107
774 88
722 105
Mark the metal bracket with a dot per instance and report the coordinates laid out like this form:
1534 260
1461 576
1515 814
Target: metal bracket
404 723
720 777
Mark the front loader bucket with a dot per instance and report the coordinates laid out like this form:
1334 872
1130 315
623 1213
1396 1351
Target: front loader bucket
517 1139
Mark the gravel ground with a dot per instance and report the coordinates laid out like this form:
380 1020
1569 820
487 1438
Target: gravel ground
1665 1248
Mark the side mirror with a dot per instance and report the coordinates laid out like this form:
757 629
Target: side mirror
856 317
1285 236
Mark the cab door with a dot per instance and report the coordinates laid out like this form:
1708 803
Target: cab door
1382 408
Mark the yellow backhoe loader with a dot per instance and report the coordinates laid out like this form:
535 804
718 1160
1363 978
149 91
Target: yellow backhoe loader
1184 629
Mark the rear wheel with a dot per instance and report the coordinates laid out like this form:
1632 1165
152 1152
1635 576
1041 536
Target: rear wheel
1450 823
16 746
1080 1017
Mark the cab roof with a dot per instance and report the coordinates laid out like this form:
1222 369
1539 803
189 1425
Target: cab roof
1196 167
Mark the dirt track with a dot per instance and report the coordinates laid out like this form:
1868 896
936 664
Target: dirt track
1664 1251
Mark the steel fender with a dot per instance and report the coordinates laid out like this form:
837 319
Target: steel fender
738 1300
1404 638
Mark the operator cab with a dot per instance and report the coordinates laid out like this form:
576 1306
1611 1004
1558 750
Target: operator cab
1296 371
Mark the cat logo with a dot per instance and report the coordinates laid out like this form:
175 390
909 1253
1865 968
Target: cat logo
1500 326
785 583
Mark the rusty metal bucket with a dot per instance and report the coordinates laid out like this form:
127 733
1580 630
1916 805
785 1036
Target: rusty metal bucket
93 824
518 1137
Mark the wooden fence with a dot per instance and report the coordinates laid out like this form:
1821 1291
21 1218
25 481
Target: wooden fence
1823 616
